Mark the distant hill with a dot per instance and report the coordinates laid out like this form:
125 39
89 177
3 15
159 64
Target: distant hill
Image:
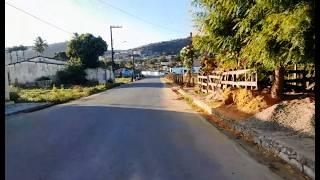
163 48
154 49
49 52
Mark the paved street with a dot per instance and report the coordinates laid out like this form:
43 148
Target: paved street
135 131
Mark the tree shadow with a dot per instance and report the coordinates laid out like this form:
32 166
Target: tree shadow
97 142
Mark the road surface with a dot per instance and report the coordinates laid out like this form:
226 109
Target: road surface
135 131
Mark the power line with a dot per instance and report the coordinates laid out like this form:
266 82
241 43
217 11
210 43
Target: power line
46 22
139 18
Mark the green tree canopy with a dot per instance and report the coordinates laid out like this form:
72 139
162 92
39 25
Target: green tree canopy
256 33
87 48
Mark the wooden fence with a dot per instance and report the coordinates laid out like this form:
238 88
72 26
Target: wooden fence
218 79
181 79
300 79
248 78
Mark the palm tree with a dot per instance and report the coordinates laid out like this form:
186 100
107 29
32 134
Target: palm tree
39 45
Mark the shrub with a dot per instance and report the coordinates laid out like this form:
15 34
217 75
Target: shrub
92 82
72 75
241 97
43 78
14 96
254 105
227 96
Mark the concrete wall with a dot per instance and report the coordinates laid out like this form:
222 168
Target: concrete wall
99 74
152 73
181 70
28 72
7 88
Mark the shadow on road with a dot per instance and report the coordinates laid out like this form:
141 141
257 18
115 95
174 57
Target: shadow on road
95 142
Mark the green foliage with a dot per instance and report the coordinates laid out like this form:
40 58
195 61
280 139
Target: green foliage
40 45
255 32
72 75
283 38
123 80
57 95
61 56
87 49
42 78
188 55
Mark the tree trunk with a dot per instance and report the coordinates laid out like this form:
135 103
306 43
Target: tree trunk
278 83
189 78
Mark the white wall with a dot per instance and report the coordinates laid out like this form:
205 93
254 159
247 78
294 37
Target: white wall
152 73
7 88
99 74
28 72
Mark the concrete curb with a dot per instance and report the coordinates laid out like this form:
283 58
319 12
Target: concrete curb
31 109
288 154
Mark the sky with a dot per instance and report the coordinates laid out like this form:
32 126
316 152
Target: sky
143 22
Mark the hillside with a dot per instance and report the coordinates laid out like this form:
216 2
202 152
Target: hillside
154 49
163 48
49 52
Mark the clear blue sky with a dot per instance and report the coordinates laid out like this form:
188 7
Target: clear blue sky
168 19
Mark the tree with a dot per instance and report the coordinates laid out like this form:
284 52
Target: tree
61 56
216 20
281 34
271 34
208 63
87 48
39 45
188 54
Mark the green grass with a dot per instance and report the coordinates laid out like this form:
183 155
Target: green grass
56 95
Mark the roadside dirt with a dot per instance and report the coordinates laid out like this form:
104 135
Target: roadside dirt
260 154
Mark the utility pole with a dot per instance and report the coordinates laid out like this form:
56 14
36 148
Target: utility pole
112 53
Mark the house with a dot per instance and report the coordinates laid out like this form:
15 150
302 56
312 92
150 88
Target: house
123 72
183 70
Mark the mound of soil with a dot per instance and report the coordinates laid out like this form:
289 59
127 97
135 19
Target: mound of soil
295 115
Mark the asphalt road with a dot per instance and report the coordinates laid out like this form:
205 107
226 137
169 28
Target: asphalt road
136 131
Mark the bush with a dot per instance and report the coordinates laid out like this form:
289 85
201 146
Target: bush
72 75
43 78
242 97
244 100
227 96
110 81
14 96
92 82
